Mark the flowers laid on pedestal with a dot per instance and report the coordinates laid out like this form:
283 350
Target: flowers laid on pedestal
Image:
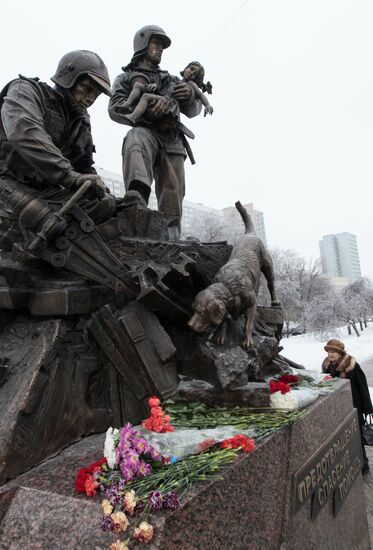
149 468
242 442
85 479
158 421
291 392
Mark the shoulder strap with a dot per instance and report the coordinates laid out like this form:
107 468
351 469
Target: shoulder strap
39 86
4 91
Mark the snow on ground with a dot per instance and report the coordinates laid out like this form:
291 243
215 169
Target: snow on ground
308 349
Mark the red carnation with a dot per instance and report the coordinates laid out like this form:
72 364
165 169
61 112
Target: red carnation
289 379
239 441
245 442
85 474
81 476
97 466
274 386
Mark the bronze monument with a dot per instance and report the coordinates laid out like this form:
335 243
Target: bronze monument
95 294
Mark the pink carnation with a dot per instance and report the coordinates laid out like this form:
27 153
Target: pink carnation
156 411
153 402
90 486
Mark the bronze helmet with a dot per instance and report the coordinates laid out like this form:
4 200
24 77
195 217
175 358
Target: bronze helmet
142 37
78 63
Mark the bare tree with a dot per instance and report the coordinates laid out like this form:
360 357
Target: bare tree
212 229
321 315
343 310
358 301
313 287
289 297
298 284
209 228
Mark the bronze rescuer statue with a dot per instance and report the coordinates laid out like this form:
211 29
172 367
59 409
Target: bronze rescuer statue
46 147
87 341
155 148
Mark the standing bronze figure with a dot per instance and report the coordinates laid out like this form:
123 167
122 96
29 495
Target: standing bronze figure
156 147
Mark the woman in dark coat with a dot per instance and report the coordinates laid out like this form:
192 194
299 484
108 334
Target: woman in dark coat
339 364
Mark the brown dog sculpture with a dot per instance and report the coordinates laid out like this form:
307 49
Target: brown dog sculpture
236 285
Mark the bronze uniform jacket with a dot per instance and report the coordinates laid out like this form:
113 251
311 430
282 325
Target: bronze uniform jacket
165 82
43 139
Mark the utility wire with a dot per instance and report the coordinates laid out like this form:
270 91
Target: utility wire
224 27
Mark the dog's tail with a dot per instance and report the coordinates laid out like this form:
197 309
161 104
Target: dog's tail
246 218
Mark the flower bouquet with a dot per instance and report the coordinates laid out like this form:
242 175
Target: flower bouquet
289 393
136 480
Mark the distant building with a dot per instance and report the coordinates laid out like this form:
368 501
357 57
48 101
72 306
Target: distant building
113 181
340 256
235 226
198 220
213 224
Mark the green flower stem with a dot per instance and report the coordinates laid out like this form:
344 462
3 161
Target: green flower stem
179 476
261 421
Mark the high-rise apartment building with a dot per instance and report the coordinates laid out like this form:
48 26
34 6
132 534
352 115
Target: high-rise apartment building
340 256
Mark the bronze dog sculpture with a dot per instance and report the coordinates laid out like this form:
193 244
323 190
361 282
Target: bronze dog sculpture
236 285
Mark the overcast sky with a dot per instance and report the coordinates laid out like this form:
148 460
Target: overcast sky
292 129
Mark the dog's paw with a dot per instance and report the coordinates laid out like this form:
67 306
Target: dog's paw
248 345
219 339
275 303
220 336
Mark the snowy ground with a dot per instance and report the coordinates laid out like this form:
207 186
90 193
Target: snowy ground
308 350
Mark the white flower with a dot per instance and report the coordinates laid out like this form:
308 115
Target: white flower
280 400
110 444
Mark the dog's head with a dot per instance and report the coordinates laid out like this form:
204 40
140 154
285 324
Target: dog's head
208 311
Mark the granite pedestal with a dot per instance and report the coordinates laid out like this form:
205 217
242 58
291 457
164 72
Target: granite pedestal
250 508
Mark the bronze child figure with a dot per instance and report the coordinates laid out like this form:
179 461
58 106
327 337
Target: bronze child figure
193 74
144 94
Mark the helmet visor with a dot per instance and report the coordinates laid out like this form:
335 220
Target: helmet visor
101 82
163 37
